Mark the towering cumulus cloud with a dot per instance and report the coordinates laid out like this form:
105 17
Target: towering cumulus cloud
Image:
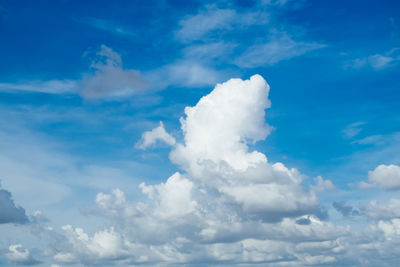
215 153
229 204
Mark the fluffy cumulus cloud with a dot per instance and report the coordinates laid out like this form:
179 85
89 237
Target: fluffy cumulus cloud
151 137
228 205
9 212
382 211
385 176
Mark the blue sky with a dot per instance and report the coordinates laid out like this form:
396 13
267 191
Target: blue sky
99 148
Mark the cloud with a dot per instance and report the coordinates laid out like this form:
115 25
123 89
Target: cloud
107 79
391 228
105 244
209 52
9 212
277 49
196 68
219 126
376 61
110 80
227 204
149 138
49 87
195 27
383 212
107 26
322 185
206 31
20 256
386 176
212 19
372 139
353 129
185 72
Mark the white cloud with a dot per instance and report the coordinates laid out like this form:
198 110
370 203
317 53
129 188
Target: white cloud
383 212
50 87
353 129
174 198
105 244
209 51
386 176
186 72
195 27
322 185
372 139
277 49
390 228
149 138
212 19
219 126
376 61
20 256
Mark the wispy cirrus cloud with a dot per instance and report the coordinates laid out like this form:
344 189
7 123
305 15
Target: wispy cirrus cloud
277 49
220 31
107 25
353 129
211 19
376 61
50 87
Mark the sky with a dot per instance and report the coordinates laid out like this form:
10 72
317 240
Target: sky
199 133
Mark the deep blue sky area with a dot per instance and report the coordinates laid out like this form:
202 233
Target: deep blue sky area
93 97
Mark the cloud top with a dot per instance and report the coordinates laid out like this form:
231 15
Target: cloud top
219 127
159 133
386 176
